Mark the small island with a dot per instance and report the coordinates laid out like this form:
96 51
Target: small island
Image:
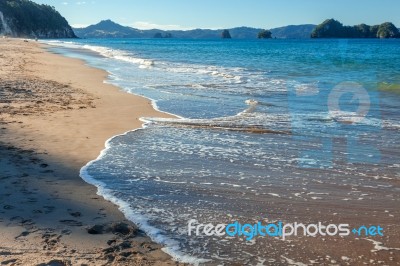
226 34
264 34
332 28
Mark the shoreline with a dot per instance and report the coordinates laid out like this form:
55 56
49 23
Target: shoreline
52 128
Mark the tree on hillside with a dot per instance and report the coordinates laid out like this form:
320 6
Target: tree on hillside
330 28
373 31
362 31
264 34
387 30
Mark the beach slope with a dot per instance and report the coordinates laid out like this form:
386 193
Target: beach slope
55 116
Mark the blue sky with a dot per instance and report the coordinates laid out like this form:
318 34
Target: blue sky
188 14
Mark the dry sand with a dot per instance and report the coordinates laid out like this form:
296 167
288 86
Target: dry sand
55 116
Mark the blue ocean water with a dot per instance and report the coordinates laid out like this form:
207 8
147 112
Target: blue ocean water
263 128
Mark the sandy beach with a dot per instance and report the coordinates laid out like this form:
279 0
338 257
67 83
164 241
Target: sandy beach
56 114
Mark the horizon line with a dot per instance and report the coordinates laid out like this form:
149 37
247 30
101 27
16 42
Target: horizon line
181 28
81 26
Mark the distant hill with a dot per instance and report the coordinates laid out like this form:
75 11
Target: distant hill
293 31
332 28
110 29
244 33
107 29
24 18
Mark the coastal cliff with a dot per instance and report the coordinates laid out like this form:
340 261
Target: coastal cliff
24 18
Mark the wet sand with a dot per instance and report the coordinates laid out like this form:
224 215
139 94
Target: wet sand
55 116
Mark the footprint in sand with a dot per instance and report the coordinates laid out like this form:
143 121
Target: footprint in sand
44 165
10 261
50 240
32 200
27 222
48 209
23 234
5 177
71 222
55 263
102 212
47 172
74 214
16 219
66 232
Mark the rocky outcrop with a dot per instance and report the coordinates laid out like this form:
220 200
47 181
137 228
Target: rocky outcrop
264 34
331 28
226 34
24 18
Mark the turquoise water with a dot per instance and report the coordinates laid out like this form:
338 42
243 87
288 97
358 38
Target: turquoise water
263 127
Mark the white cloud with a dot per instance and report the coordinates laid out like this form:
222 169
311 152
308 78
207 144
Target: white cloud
81 3
79 25
143 25
65 3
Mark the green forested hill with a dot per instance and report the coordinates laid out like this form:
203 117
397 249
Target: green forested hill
331 28
24 18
